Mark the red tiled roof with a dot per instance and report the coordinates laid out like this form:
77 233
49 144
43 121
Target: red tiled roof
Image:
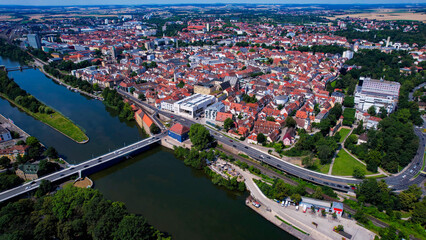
147 120
179 129
221 116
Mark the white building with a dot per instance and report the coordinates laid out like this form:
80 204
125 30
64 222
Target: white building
167 105
194 105
4 135
348 54
211 112
377 93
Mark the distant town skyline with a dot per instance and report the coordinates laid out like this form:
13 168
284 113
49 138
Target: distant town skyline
135 2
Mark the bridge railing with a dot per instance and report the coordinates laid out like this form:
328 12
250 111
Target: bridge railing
66 170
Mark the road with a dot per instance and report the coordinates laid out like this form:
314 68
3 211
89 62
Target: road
397 182
410 95
404 179
75 169
324 229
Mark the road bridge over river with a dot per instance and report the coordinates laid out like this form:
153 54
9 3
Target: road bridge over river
87 167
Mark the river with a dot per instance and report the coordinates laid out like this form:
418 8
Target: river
173 197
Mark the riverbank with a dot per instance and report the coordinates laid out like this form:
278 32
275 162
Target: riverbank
10 125
56 121
85 182
40 65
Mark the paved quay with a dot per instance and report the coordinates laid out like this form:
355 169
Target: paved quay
301 220
8 124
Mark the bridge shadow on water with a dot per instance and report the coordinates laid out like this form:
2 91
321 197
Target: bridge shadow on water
156 152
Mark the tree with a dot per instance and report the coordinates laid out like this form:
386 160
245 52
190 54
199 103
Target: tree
142 97
374 158
154 129
51 152
360 216
228 124
318 193
4 162
21 143
261 138
372 110
181 84
45 167
270 118
8 181
419 213
199 136
383 112
358 172
324 154
410 196
44 188
360 128
296 198
96 87
133 227
308 161
32 141
290 122
349 101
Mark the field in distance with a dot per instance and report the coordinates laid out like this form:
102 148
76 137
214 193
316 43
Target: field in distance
385 14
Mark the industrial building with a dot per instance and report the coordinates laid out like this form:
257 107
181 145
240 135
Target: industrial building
377 93
193 106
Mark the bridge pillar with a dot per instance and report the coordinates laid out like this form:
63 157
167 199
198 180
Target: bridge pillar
79 174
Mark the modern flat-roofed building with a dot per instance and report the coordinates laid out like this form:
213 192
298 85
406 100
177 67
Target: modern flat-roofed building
194 105
34 40
377 93
211 112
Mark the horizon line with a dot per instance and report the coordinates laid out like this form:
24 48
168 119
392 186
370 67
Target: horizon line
218 3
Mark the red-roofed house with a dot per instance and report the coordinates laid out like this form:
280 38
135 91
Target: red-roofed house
221 117
252 138
179 132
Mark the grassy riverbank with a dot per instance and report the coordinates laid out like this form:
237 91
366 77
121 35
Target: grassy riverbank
57 121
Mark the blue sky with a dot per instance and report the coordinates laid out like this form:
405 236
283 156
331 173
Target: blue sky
138 2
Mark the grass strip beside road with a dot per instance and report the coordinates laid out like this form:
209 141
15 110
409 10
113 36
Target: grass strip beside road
422 168
57 121
344 164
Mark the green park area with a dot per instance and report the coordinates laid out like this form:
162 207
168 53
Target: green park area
63 125
323 168
57 121
344 164
31 105
343 133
